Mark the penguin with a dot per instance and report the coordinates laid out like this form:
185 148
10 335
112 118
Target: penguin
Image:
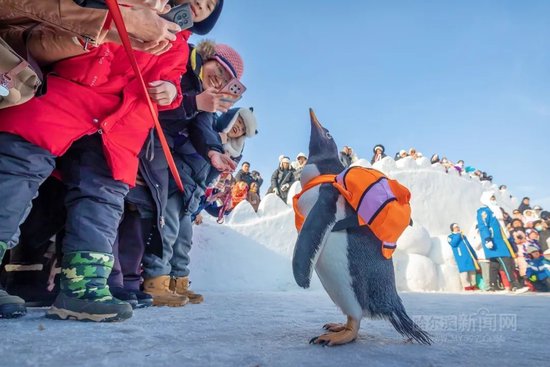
349 262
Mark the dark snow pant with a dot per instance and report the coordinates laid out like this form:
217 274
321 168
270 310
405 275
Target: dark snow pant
542 285
129 248
94 200
176 242
507 265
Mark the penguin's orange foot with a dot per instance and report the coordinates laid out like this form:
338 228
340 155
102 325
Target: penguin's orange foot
333 328
337 338
340 334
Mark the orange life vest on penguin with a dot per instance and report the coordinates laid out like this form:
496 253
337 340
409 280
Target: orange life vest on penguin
380 203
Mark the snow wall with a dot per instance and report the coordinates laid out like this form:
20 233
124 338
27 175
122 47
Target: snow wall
253 251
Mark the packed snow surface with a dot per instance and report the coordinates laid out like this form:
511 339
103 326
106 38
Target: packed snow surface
249 329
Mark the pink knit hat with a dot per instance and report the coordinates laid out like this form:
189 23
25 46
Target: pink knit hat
230 60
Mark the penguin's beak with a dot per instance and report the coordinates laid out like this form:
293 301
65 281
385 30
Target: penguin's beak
314 122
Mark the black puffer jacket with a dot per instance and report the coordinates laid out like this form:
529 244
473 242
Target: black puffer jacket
280 178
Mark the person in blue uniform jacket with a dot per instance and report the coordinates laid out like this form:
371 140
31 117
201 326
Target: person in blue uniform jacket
465 257
497 248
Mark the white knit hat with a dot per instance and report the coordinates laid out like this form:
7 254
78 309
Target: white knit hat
235 146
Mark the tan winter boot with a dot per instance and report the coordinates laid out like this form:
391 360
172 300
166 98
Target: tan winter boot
159 288
181 286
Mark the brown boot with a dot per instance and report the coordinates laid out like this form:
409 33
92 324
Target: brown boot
181 286
159 288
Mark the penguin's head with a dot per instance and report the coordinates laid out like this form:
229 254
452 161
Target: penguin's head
323 151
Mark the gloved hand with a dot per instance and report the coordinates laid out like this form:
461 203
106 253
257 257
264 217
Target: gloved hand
276 191
285 187
533 278
489 244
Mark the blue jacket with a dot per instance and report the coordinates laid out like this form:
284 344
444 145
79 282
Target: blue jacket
465 255
490 230
539 267
193 170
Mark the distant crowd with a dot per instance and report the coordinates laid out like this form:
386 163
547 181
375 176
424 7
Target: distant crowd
516 255
459 166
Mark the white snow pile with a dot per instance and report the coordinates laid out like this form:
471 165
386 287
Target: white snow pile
253 251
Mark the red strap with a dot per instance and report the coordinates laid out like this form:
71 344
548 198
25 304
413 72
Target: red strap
119 22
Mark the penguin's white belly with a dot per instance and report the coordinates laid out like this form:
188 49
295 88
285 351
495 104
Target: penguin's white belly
332 267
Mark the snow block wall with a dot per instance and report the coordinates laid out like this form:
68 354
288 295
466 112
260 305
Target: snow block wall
253 251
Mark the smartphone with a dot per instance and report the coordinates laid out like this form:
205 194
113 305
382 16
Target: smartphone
234 88
181 15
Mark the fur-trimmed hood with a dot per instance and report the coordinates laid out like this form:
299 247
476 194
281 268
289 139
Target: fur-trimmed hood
379 146
486 200
206 49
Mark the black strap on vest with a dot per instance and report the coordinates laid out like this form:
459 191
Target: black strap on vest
349 222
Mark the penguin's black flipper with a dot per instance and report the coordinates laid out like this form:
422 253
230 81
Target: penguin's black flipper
316 226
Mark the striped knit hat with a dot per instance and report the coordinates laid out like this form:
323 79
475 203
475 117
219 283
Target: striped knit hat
230 59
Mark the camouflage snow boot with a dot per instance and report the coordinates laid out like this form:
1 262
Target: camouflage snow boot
10 306
181 286
84 294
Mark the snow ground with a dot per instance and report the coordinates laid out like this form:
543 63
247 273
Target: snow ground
273 329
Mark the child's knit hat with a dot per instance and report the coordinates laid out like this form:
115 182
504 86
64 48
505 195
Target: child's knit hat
224 123
224 54
230 59
204 27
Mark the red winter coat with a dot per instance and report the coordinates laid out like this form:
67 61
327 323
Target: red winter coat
97 92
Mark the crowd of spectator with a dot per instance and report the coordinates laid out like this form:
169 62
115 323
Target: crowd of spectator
229 190
459 166
515 256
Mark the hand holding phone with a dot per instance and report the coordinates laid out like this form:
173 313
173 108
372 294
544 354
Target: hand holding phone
234 88
181 15
232 101
211 101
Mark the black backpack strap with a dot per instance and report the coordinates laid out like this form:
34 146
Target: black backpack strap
349 222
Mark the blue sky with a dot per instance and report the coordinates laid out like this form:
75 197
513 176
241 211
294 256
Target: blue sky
466 79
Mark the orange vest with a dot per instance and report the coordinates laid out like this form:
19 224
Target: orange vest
380 203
